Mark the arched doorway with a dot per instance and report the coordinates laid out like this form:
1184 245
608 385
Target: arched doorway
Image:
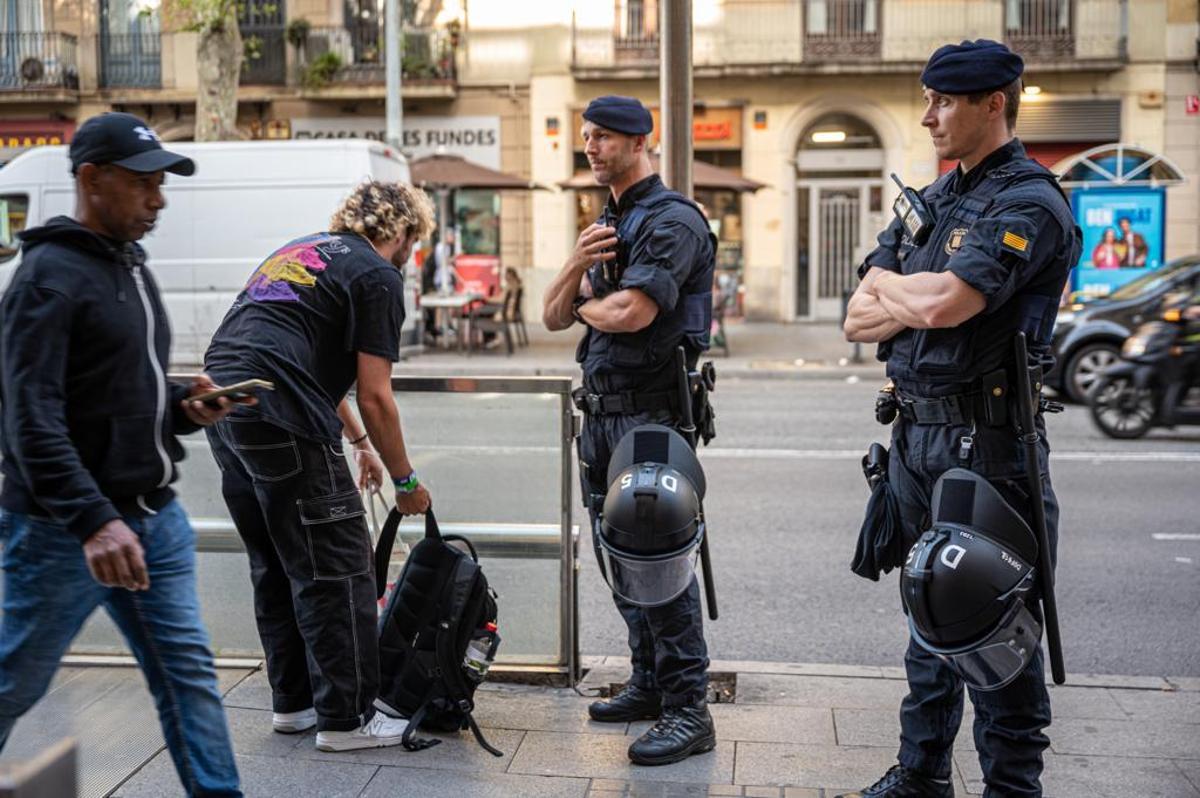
839 205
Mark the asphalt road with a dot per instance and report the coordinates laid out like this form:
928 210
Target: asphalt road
785 502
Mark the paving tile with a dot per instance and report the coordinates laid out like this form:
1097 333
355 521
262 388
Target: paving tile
252 734
1175 706
715 790
1098 777
1190 769
1143 738
813 766
881 728
253 692
796 668
390 782
603 756
455 752
1084 703
1119 682
803 792
610 784
1189 684
764 724
763 792
533 712
820 691
262 777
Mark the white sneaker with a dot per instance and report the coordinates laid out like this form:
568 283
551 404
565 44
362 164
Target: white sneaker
379 732
294 722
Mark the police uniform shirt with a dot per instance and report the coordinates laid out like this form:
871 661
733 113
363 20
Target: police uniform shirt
670 259
1014 250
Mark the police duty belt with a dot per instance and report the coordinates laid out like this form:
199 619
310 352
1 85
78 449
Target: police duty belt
624 403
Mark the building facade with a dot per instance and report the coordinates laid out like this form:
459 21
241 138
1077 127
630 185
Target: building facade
819 100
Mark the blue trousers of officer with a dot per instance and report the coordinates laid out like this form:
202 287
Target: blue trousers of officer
669 654
1009 722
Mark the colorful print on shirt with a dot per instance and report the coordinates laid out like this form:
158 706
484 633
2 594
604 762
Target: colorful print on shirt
295 264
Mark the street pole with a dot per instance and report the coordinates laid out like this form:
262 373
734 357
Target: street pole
675 84
394 50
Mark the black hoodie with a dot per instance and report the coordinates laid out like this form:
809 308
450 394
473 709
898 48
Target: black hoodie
89 419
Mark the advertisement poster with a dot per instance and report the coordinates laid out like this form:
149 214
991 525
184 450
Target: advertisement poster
1123 231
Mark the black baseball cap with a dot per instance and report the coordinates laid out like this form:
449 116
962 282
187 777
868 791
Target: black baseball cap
126 141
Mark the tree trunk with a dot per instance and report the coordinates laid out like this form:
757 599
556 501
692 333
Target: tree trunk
218 67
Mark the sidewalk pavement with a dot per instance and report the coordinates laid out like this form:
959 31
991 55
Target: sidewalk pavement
790 731
760 350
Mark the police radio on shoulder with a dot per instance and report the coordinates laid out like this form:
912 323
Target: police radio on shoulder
912 212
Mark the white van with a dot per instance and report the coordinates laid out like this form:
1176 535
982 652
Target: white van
245 200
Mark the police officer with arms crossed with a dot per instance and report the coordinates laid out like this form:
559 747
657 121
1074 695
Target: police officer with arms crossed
640 282
944 303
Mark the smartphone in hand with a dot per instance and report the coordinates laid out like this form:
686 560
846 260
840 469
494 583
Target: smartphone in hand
236 392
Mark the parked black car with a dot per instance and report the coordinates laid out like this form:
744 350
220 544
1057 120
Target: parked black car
1088 335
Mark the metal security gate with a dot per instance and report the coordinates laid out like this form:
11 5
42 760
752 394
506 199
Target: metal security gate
842 217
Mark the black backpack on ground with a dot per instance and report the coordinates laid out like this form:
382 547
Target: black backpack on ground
437 635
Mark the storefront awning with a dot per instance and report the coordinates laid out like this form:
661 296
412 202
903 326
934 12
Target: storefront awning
455 172
704 175
1118 165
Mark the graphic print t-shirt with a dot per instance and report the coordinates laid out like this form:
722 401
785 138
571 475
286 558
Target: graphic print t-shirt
304 314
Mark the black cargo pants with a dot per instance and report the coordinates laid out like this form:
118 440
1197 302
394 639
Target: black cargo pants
668 652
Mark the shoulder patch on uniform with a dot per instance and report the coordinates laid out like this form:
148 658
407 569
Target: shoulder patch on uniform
1015 242
955 240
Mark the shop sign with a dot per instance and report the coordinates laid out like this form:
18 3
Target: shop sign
476 138
34 133
478 274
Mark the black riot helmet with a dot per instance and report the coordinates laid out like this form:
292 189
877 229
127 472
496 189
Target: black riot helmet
650 530
966 582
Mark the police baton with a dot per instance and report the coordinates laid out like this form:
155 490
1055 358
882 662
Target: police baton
688 428
1029 437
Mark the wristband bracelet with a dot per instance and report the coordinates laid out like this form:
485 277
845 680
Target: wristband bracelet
576 305
359 439
406 485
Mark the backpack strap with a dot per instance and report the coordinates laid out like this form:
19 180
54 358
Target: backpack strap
458 693
410 741
387 540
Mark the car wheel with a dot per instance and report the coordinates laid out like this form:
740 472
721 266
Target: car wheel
1085 366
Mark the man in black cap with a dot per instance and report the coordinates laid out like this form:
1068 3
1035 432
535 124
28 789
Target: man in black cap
90 424
944 297
640 281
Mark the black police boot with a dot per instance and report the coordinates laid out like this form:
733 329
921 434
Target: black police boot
679 733
900 782
632 703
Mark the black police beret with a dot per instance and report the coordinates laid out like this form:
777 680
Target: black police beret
970 67
622 114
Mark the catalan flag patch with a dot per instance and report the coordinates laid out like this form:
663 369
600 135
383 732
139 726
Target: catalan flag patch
1014 241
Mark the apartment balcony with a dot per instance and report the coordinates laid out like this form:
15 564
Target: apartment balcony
38 66
759 37
131 60
350 61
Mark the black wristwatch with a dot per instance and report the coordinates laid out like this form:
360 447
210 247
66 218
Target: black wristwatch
576 305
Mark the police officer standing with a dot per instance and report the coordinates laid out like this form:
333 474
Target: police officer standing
944 296
640 281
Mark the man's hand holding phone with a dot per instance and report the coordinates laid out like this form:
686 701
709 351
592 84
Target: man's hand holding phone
208 403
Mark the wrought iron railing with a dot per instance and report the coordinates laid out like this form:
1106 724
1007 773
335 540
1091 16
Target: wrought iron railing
38 61
754 33
356 54
842 30
131 60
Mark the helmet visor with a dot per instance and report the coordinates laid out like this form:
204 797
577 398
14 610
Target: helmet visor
993 663
649 582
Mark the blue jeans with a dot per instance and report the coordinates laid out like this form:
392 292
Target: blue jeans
49 593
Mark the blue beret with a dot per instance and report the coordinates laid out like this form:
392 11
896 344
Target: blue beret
970 67
622 114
